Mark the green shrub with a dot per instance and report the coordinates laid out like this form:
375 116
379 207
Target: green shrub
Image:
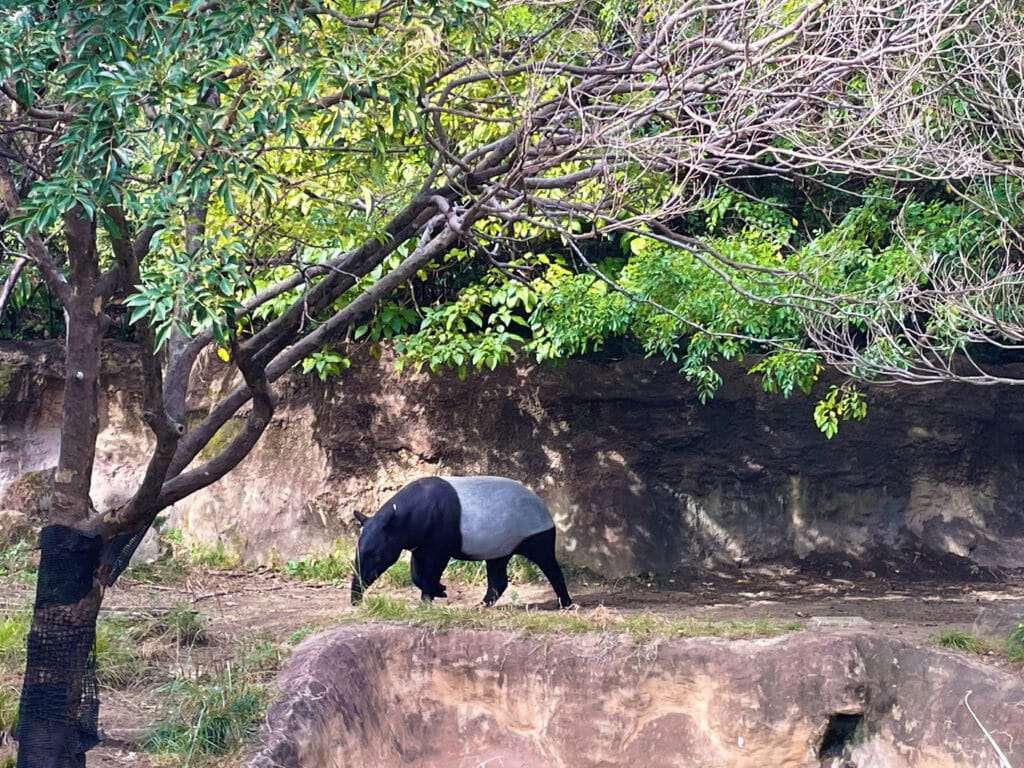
212 557
167 569
184 624
174 563
302 633
399 574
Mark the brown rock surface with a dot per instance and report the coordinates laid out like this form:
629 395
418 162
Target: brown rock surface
639 475
396 696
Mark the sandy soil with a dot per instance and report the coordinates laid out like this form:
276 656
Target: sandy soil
915 606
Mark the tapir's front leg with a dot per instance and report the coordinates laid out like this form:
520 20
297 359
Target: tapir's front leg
416 571
426 569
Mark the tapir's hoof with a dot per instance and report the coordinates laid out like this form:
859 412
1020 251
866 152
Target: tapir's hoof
566 604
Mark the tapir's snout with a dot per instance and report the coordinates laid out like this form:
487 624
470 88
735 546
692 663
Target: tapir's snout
359 584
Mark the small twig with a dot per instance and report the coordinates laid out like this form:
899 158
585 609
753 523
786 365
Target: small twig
1003 760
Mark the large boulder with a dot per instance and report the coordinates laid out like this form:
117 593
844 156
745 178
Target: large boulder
387 696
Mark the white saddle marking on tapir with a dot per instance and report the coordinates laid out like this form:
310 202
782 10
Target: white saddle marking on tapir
497 514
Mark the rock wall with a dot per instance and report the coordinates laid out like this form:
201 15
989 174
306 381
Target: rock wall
393 695
639 475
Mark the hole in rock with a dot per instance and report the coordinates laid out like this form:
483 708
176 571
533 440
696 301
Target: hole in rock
839 734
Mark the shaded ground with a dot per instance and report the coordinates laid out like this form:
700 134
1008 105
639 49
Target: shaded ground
913 606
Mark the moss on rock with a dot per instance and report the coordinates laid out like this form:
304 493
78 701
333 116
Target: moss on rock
222 438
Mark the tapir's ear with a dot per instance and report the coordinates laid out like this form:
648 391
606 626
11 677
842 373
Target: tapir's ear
360 517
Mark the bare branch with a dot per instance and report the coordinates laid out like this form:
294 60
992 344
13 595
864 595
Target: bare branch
11 280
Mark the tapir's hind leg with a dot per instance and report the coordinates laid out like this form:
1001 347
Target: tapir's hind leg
540 548
497 579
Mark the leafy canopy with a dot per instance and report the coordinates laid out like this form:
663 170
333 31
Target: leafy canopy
700 186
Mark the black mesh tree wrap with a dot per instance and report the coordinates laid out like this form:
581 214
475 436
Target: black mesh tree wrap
118 553
59 710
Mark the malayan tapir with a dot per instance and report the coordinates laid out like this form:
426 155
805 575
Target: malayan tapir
466 518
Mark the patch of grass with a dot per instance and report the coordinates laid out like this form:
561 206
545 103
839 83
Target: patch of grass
177 625
118 663
302 633
212 721
9 700
14 626
330 568
475 571
174 536
212 557
212 716
399 574
336 566
121 660
466 571
644 627
19 560
167 569
523 570
962 641
174 565
182 623
262 655
640 627
1015 645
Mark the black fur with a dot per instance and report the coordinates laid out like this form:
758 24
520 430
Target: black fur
423 517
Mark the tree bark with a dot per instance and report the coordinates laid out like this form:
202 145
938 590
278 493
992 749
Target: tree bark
80 411
58 711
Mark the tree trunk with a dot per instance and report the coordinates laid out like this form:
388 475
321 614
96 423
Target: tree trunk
59 709
57 720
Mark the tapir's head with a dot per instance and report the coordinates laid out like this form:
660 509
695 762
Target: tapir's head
379 548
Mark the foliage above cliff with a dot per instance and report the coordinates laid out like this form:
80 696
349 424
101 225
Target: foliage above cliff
830 183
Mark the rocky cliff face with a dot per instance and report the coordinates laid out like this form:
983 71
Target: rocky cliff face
640 476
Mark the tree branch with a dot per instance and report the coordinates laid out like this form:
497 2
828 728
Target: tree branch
430 248
258 389
11 280
34 246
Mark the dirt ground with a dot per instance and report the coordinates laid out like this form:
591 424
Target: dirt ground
914 606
